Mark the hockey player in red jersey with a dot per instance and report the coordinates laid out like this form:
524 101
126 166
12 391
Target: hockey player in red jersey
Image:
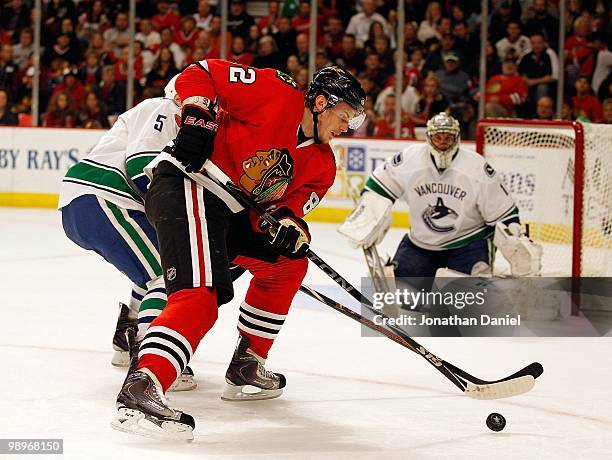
262 132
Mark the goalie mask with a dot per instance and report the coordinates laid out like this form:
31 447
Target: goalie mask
443 137
337 85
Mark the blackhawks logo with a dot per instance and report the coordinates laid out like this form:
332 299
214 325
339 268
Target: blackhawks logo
267 174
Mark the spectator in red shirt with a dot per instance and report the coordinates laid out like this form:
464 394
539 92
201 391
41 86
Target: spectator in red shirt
121 66
385 126
580 51
186 36
269 24
71 84
60 113
165 17
93 114
332 39
585 104
238 52
505 92
301 22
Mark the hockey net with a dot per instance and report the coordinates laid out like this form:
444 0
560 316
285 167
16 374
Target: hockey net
560 175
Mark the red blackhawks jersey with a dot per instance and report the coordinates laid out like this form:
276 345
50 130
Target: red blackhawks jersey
510 90
259 114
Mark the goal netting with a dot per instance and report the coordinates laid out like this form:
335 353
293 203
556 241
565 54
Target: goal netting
560 174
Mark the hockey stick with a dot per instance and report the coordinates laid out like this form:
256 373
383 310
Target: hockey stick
519 382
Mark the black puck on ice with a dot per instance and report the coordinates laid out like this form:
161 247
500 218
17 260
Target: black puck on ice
496 422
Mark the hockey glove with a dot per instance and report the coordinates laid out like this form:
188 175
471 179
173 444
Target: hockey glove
196 138
292 237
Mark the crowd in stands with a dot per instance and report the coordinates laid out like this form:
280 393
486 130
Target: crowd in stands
85 56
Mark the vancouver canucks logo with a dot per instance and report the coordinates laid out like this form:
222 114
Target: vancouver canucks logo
439 218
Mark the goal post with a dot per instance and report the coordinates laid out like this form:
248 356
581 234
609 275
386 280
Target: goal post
560 175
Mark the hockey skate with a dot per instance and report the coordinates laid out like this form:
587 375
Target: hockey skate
184 382
121 344
142 409
247 378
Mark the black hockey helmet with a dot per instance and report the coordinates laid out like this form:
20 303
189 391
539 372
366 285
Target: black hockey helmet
337 85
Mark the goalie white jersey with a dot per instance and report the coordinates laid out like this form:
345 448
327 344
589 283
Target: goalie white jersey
450 209
113 170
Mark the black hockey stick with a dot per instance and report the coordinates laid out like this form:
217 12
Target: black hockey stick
517 383
513 385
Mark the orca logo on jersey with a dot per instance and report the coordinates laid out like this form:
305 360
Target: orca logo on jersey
439 217
267 174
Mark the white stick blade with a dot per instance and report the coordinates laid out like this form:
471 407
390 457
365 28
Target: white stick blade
500 390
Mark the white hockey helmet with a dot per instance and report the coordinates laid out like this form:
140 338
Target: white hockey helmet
170 90
438 124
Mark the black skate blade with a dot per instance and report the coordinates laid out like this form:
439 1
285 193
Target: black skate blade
136 422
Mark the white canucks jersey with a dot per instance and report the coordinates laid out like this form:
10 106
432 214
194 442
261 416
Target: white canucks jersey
113 170
450 209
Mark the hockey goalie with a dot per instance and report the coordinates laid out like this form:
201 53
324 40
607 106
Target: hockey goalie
458 209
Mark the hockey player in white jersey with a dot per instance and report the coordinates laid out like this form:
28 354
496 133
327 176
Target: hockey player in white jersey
457 203
102 205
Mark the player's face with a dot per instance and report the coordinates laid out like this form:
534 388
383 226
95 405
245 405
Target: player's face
443 141
335 121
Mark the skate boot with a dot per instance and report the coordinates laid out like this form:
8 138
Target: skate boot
142 409
121 345
247 378
184 382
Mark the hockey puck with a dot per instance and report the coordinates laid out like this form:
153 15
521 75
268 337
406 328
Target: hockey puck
496 422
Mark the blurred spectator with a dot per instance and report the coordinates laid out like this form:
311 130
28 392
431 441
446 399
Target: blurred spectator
545 109
267 54
333 36
117 37
493 62
413 71
430 103
539 68
410 36
293 65
7 117
368 86
204 15
373 69
285 38
385 125
121 65
62 49
14 17
580 51
268 24
238 20
466 114
91 70
301 21
93 114
99 47
376 31
302 78
428 26
111 91
165 17
168 42
542 22
351 57
367 127
585 104
55 73
500 18
322 60
23 49
385 55
215 34
603 68
467 46
238 52
359 25
253 39
301 45
203 43
607 111
435 58
60 113
567 110
514 45
186 36
506 92
95 19
8 68
72 85
56 11
147 35
164 68
605 88
454 82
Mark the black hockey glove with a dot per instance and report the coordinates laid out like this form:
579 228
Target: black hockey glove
292 237
196 138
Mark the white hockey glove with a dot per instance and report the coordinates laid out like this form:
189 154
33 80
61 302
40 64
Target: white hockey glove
523 254
368 223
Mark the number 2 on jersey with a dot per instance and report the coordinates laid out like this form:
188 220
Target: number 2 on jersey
239 74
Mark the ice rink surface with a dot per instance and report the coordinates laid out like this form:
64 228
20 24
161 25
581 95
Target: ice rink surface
347 396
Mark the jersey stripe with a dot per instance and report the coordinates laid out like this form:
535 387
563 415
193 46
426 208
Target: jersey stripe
377 186
89 172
